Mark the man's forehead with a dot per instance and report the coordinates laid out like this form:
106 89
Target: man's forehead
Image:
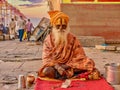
60 21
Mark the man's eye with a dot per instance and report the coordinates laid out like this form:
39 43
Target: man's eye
57 26
64 26
61 26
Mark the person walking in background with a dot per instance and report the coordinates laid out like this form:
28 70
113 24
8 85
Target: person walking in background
2 30
16 29
25 32
29 27
12 26
21 26
7 29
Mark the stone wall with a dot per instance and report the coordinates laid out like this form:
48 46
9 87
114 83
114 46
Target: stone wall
94 19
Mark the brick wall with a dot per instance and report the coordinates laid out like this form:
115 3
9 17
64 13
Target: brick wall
94 19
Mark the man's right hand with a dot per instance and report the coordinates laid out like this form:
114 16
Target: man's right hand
65 67
60 69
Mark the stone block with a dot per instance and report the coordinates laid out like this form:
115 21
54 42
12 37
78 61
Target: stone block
91 41
118 48
112 41
111 48
101 47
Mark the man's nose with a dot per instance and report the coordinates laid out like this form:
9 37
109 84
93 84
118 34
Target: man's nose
61 27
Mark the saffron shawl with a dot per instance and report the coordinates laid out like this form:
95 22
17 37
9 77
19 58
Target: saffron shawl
71 54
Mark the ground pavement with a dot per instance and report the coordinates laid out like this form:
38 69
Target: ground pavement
25 57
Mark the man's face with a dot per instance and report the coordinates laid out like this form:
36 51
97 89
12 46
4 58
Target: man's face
61 24
60 31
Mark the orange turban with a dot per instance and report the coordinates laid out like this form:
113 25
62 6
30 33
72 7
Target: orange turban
54 15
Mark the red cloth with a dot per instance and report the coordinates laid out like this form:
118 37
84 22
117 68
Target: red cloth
75 85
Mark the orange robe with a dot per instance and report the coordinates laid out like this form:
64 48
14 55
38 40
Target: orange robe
71 54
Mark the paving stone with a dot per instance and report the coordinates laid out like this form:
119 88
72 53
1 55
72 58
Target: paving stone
14 50
31 65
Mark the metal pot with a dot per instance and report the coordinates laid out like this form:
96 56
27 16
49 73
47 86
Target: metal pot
112 72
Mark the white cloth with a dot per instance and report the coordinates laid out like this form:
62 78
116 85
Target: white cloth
21 24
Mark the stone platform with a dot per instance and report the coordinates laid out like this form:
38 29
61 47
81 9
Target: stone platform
18 58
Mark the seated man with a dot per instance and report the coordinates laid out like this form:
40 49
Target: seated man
63 56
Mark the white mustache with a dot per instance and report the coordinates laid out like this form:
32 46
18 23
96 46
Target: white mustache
62 30
60 36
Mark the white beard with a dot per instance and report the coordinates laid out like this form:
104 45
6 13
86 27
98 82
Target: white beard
60 37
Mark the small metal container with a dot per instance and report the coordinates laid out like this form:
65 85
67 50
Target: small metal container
21 82
112 72
30 80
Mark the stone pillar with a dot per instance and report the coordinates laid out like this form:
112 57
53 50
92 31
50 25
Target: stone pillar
54 4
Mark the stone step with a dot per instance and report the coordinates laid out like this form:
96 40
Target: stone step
91 41
108 48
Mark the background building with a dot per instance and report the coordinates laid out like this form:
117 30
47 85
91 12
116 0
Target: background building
8 11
